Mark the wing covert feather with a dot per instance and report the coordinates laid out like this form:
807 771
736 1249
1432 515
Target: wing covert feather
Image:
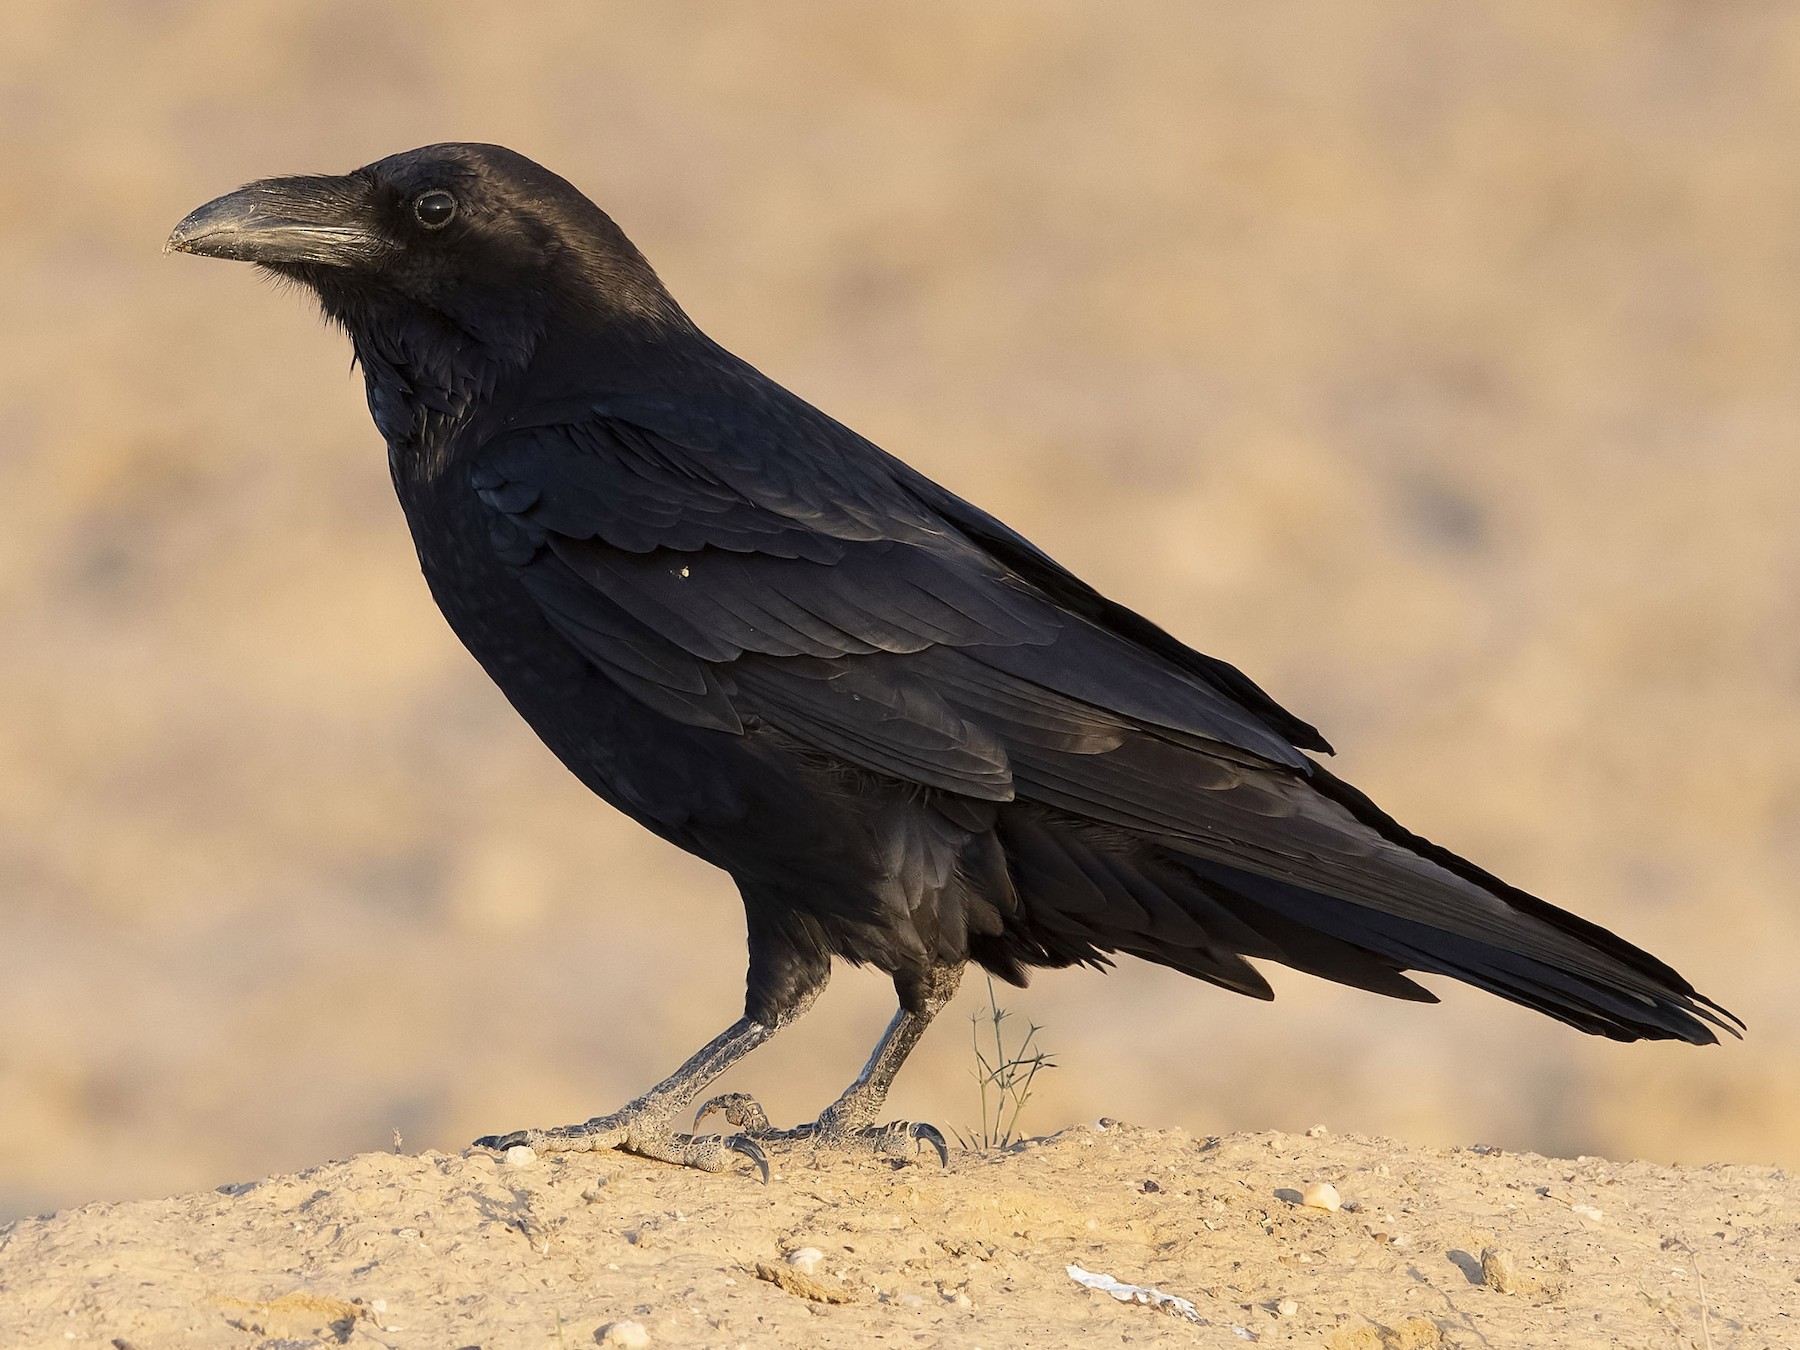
707 588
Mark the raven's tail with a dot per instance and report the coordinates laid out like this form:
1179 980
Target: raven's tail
1087 888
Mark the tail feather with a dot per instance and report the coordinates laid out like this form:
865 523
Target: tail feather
1696 1012
1090 889
1627 1009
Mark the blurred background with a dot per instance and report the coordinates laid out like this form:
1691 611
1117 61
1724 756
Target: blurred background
1438 365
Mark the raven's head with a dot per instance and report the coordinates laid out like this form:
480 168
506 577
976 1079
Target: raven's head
448 265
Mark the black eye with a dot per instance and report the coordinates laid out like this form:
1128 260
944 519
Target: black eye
434 209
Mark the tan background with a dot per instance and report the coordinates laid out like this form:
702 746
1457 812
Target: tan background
1439 365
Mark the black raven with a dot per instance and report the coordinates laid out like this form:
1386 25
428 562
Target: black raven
910 737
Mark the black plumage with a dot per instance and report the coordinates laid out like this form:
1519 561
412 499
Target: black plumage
910 737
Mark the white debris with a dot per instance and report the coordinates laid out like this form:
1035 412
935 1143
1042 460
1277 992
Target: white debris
1322 1195
1317 1132
626 1335
1136 1293
521 1155
805 1259
1287 1307
1588 1212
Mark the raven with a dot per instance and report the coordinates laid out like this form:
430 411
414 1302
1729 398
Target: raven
909 736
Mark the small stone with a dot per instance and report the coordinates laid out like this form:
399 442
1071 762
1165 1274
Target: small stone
627 1335
962 1300
1588 1212
910 1301
1498 1271
805 1259
1317 1132
1287 1307
521 1155
594 1191
1322 1195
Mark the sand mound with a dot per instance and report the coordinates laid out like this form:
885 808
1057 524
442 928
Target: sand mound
443 1251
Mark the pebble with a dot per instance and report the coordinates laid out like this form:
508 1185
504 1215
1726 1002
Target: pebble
1317 1132
1322 1195
805 1259
628 1335
1588 1212
1287 1307
521 1155
1498 1271
594 1191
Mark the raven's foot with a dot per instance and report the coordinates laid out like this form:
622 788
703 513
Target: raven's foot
645 1133
835 1131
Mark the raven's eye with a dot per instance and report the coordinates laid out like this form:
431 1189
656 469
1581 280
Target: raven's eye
434 209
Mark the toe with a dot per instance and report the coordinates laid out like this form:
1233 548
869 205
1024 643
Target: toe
596 1135
705 1153
501 1142
902 1140
739 1109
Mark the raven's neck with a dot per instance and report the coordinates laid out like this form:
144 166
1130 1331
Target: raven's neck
435 390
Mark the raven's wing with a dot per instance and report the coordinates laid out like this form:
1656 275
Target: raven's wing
712 590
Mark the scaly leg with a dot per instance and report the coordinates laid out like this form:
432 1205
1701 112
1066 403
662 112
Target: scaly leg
849 1122
645 1126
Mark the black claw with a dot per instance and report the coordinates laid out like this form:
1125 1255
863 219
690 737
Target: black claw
931 1135
740 1143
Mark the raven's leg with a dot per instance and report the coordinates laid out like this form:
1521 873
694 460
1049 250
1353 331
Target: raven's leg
644 1126
849 1122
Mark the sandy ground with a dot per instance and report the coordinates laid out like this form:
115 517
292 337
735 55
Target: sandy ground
436 1250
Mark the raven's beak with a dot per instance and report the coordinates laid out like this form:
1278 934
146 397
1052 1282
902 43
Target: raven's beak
285 220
